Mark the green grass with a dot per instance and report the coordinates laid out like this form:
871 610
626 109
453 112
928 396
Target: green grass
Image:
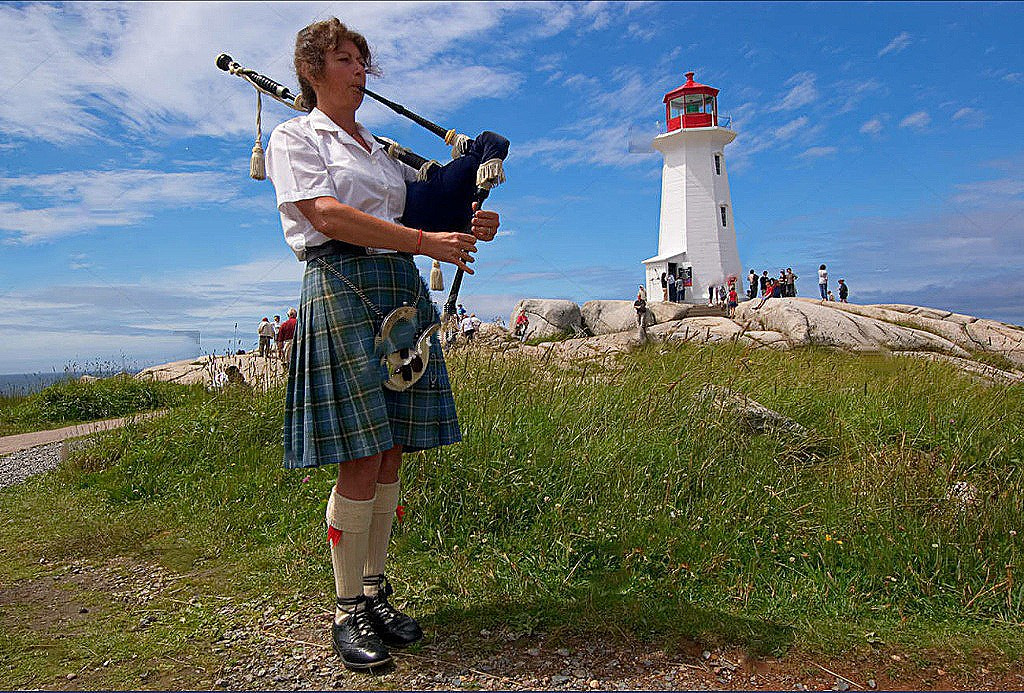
73 401
610 501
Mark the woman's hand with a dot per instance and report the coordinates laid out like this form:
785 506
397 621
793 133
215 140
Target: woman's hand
485 223
456 248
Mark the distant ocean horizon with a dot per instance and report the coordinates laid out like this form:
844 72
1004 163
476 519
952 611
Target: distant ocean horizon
28 383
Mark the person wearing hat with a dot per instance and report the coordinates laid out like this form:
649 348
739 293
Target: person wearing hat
340 197
844 291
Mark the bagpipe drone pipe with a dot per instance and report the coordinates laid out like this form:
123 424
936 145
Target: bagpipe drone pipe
442 197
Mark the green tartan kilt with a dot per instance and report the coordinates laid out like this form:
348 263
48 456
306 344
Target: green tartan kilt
336 406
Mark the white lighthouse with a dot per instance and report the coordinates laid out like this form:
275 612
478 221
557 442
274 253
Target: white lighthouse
697 236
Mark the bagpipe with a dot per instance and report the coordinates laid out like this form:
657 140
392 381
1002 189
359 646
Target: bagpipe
442 196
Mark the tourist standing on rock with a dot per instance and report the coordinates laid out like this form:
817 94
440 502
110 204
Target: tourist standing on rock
752 291
640 306
469 325
844 291
286 335
764 283
791 282
266 334
277 335
733 301
664 286
340 197
823 282
522 322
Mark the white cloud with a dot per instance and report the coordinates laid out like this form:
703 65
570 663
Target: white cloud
818 152
1003 190
83 201
872 127
970 118
641 32
149 66
918 120
801 92
898 43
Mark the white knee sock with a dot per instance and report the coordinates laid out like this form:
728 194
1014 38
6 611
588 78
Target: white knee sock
384 505
348 529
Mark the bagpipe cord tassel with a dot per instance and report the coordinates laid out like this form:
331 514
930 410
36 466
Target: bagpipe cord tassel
490 174
460 144
257 164
436 278
426 169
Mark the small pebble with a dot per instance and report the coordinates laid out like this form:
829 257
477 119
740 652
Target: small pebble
871 684
71 677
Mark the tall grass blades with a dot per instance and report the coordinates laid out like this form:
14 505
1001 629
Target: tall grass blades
611 497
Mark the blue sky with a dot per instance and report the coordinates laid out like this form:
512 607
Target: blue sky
882 139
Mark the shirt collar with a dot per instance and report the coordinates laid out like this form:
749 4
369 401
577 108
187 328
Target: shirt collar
321 121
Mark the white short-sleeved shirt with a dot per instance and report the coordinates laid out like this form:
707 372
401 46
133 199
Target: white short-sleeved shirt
822 276
311 156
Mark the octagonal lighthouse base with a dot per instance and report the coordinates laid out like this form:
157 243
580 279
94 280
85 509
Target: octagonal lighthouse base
697 234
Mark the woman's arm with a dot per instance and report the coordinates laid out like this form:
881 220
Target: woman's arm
342 222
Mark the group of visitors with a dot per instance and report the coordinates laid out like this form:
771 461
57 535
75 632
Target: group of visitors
673 288
469 323
282 334
785 286
826 295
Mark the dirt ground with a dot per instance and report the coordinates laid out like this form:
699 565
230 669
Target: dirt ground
260 644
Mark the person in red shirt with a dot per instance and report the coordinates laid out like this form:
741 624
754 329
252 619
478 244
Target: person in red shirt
286 336
733 300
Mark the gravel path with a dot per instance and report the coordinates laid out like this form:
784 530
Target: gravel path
18 466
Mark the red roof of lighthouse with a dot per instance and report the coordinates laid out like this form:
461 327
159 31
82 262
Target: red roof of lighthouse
690 87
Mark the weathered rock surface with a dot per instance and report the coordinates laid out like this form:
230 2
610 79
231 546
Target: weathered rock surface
549 317
753 417
971 334
702 330
608 317
258 371
809 322
982 370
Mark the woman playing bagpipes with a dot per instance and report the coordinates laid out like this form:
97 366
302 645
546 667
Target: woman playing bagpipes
341 198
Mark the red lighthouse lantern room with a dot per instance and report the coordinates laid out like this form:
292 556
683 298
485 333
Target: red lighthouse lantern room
692 105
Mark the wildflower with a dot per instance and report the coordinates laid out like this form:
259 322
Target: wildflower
839 541
305 479
828 537
400 512
935 546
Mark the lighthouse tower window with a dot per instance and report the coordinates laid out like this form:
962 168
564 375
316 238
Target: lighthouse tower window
724 217
718 164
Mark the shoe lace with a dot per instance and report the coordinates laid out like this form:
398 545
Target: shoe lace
361 625
380 604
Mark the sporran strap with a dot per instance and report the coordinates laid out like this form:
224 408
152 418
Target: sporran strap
358 292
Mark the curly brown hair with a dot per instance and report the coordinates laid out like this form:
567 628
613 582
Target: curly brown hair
312 44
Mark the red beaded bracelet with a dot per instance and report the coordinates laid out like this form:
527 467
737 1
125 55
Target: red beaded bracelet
419 242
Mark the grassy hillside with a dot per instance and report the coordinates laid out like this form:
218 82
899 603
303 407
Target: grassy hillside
74 401
608 499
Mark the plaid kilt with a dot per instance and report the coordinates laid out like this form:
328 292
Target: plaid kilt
336 406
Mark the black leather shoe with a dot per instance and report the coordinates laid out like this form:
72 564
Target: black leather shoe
355 640
393 627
